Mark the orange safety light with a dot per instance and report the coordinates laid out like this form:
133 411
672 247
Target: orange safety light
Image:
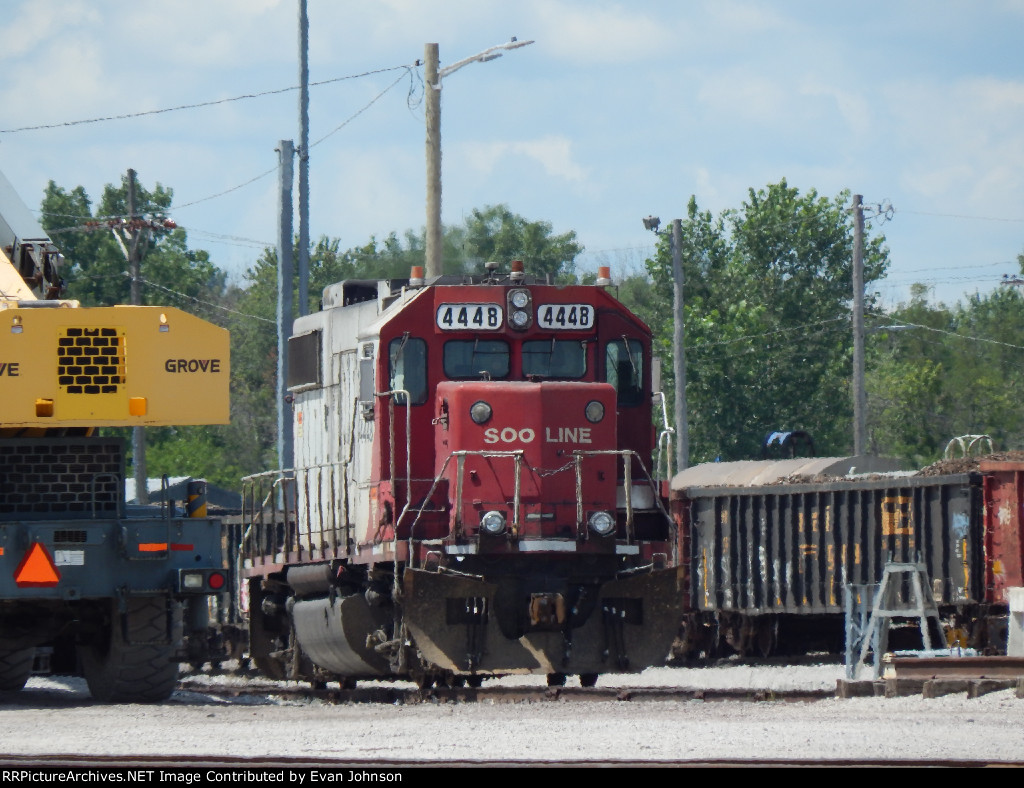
36 569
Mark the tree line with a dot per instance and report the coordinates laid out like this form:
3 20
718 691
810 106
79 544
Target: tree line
767 324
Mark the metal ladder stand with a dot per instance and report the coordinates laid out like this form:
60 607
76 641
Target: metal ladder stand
874 634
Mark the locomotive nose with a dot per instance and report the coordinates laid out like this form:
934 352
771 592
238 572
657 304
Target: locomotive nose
538 454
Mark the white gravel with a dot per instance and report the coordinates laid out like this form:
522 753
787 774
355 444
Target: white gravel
55 716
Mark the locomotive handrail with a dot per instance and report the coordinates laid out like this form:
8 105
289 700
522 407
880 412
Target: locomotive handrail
257 517
628 484
408 440
665 436
460 455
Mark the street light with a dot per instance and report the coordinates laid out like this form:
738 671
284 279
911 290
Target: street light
433 76
678 353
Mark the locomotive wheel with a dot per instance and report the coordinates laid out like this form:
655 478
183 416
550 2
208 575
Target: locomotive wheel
15 668
474 682
556 679
270 668
133 659
588 679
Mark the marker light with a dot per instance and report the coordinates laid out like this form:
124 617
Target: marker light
493 522
602 523
480 412
594 411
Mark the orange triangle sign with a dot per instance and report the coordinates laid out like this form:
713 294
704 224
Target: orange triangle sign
36 569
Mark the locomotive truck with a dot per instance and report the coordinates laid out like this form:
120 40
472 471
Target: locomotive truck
472 492
93 585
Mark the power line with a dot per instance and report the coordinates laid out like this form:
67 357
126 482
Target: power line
196 105
274 169
960 216
206 303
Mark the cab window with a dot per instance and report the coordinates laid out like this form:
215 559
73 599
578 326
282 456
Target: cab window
466 359
555 358
407 368
624 370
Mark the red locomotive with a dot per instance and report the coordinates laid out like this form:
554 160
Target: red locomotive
472 493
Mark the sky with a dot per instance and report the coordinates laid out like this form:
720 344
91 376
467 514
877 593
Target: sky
617 111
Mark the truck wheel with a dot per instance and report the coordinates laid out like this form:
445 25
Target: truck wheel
15 668
132 661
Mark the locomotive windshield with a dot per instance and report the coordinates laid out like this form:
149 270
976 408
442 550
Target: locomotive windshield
408 368
474 358
555 358
623 368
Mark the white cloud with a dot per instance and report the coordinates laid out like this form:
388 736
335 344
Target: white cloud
963 142
744 94
854 109
553 153
601 33
45 26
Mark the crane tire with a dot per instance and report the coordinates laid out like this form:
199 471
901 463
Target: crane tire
15 668
133 661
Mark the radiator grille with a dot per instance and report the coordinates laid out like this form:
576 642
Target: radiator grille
61 477
90 360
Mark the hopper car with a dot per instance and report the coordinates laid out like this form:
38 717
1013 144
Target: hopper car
769 548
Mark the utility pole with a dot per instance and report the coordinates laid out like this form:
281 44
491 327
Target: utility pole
433 264
134 266
679 414
432 77
303 159
859 397
678 347
285 277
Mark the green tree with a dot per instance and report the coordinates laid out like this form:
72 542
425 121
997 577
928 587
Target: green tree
95 266
496 233
938 372
768 342
95 270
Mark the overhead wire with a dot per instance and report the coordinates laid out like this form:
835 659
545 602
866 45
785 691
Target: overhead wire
274 169
197 105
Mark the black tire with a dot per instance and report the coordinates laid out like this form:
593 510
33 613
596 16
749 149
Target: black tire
133 663
15 668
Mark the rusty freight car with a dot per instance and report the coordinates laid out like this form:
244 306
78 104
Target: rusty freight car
768 548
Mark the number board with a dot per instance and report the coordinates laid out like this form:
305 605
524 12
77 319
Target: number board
470 317
565 316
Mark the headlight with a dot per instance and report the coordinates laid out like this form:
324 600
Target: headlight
480 412
602 523
594 411
520 308
493 523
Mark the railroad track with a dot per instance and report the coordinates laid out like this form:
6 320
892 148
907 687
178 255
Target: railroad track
390 695
273 764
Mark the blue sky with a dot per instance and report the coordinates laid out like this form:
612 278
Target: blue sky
618 110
